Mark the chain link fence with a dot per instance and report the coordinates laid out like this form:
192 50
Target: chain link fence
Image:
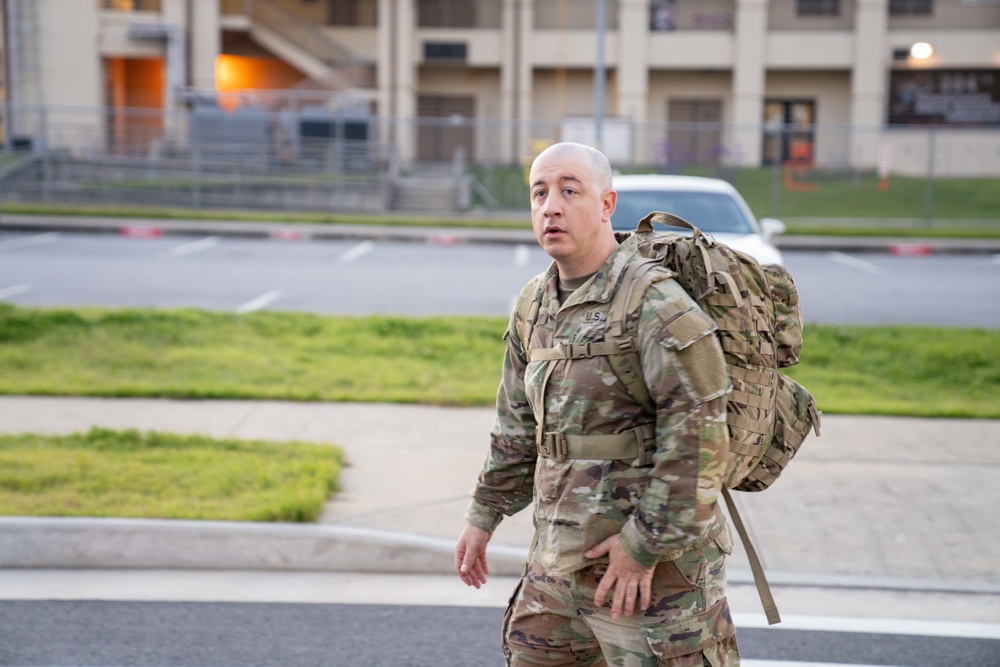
309 157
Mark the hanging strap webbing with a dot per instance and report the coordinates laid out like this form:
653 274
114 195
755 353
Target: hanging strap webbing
763 589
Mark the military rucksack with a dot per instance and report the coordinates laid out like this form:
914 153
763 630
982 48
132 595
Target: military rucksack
759 326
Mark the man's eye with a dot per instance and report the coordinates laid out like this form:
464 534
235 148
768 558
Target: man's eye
538 194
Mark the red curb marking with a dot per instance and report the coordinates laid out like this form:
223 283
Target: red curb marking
910 249
141 232
446 239
287 234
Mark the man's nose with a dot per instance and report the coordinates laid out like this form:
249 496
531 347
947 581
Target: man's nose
551 207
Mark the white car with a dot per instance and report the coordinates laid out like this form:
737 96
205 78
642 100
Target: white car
711 204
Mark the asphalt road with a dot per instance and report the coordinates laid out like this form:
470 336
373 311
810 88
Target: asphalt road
365 277
154 634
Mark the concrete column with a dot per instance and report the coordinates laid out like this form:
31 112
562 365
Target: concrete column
749 73
175 15
633 70
509 59
206 42
385 69
525 76
869 80
405 84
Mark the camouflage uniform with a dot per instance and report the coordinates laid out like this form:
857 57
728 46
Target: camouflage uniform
661 500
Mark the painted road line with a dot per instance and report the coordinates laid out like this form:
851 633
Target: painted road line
357 251
521 254
29 241
192 247
259 302
14 290
886 626
855 263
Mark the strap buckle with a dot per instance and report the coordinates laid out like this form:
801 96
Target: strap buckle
553 446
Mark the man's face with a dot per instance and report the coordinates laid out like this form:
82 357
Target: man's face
569 213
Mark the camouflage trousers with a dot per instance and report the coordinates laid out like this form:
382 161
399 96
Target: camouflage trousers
552 619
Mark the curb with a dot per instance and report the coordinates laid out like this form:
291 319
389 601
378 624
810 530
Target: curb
92 543
153 544
150 228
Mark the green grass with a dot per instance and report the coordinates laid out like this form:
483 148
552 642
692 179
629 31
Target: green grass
919 371
266 355
161 475
838 194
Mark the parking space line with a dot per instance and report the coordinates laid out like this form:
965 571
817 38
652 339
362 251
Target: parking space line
855 263
29 241
192 247
357 251
259 302
521 255
885 626
14 290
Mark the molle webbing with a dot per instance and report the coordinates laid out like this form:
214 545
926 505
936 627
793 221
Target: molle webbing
627 445
579 350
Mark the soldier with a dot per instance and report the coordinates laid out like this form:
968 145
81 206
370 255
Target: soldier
628 562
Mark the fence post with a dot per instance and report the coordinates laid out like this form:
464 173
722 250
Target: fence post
195 133
929 193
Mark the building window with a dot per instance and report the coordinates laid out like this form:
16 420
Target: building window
446 13
662 15
789 131
352 12
911 7
817 7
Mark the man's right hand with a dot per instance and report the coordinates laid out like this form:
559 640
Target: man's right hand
470 556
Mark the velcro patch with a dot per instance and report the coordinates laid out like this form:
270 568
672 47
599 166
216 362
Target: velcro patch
687 327
705 369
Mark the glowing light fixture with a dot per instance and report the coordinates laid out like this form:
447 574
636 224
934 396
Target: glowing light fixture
921 51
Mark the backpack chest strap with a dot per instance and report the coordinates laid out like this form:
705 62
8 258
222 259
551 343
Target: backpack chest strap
627 445
580 350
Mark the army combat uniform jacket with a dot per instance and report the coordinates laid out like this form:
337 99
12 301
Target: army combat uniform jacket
569 434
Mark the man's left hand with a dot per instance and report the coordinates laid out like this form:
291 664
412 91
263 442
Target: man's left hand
629 579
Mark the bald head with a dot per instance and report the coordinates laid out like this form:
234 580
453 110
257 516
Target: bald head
595 161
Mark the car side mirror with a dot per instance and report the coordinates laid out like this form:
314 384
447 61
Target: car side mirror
771 227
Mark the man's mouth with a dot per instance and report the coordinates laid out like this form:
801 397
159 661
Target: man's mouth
553 231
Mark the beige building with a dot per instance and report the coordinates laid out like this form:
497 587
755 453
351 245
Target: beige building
728 82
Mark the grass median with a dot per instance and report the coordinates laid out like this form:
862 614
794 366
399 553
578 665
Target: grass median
190 354
160 475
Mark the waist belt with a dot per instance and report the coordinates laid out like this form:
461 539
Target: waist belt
630 444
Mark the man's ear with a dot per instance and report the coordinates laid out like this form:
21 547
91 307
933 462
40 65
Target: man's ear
608 203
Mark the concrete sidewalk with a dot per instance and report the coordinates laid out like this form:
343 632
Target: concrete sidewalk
877 503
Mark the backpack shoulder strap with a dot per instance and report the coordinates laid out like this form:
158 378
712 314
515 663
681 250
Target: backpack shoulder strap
763 588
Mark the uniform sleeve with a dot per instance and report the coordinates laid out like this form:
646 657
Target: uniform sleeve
685 372
506 482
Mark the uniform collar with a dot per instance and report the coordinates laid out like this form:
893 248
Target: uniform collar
601 286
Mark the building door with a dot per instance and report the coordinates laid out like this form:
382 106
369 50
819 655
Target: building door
694 133
445 124
789 131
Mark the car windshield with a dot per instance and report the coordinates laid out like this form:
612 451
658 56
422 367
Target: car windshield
709 211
